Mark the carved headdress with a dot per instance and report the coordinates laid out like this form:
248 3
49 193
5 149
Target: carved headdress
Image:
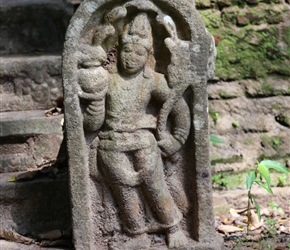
138 31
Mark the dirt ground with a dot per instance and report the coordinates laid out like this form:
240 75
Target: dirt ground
272 232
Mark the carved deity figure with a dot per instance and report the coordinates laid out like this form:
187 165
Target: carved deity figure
128 150
136 121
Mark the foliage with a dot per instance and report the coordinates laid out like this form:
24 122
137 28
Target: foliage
235 124
275 207
261 177
220 179
282 181
214 115
215 140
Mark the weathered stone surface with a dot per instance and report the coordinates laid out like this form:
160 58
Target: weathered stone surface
6 245
139 165
29 82
267 87
29 140
34 207
252 129
29 26
225 90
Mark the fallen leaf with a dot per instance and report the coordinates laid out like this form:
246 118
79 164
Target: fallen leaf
228 221
256 238
280 248
51 235
13 179
53 111
15 237
256 246
228 229
234 212
254 221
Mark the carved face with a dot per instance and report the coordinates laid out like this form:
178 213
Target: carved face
133 58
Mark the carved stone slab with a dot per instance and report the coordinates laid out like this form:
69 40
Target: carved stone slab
134 75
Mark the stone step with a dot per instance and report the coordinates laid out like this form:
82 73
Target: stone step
29 82
34 207
29 26
29 139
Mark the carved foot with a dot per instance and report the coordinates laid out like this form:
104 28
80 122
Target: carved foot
176 238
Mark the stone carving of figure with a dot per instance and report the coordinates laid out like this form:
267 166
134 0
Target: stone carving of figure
130 150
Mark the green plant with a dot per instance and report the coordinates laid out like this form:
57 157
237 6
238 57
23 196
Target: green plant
276 106
275 207
215 140
235 124
282 181
220 179
214 115
276 142
257 176
270 227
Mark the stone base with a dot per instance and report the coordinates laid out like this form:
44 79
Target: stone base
34 207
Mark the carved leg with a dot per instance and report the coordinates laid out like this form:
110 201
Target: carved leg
158 196
155 188
113 165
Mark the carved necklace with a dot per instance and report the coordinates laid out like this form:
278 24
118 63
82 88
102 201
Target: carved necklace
130 84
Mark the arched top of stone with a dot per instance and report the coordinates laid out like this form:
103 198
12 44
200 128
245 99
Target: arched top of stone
189 27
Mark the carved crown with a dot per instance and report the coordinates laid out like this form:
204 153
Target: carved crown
138 31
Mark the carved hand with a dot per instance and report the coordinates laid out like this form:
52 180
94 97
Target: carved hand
169 145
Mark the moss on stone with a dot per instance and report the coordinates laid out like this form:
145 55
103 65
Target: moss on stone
267 89
273 141
286 35
203 3
211 18
261 14
276 106
229 160
249 51
284 120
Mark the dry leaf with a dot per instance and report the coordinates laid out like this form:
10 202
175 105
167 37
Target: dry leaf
234 212
256 246
280 248
228 229
53 111
256 238
13 179
254 221
15 237
51 235
228 221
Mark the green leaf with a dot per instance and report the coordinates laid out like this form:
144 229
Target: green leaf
275 165
257 206
251 179
215 139
13 179
266 187
265 173
273 204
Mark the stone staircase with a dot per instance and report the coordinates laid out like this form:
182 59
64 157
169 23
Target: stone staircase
32 36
